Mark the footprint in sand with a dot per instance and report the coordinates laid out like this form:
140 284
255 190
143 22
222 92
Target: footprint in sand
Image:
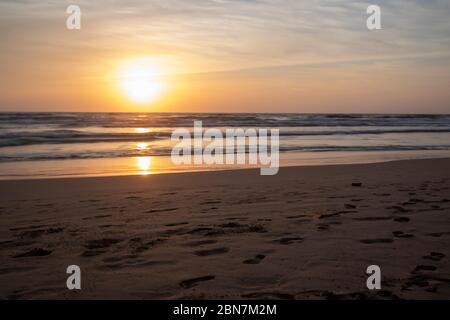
402 219
336 214
36 252
28 227
401 234
101 243
288 240
297 216
100 216
434 256
160 210
39 232
200 243
90 200
323 227
172 232
256 260
399 209
96 247
45 205
104 226
416 200
378 240
93 253
211 202
382 194
176 224
438 234
372 218
421 267
189 283
209 252
168 194
133 198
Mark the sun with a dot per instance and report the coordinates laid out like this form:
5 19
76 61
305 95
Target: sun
140 80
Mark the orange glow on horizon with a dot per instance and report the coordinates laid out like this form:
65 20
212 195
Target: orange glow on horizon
144 165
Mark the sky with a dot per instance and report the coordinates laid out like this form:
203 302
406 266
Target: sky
226 56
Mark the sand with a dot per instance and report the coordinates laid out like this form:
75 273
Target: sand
306 233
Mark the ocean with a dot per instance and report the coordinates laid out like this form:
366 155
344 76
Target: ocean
48 145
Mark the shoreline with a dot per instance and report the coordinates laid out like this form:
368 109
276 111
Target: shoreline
285 163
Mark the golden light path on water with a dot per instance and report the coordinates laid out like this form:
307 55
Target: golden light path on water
141 145
144 165
142 130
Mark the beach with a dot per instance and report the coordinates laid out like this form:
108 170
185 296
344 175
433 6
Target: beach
305 233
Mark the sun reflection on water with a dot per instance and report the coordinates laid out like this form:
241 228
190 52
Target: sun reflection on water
141 130
141 145
144 165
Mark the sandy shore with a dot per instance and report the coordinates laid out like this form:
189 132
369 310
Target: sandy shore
307 233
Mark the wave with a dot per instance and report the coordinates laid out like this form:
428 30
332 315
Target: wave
24 138
327 132
161 151
156 120
72 136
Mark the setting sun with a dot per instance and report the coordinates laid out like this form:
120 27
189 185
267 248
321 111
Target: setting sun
139 80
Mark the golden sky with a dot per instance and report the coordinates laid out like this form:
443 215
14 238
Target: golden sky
225 56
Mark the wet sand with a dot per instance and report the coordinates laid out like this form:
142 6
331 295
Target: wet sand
306 233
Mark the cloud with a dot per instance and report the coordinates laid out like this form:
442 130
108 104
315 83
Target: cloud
207 36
